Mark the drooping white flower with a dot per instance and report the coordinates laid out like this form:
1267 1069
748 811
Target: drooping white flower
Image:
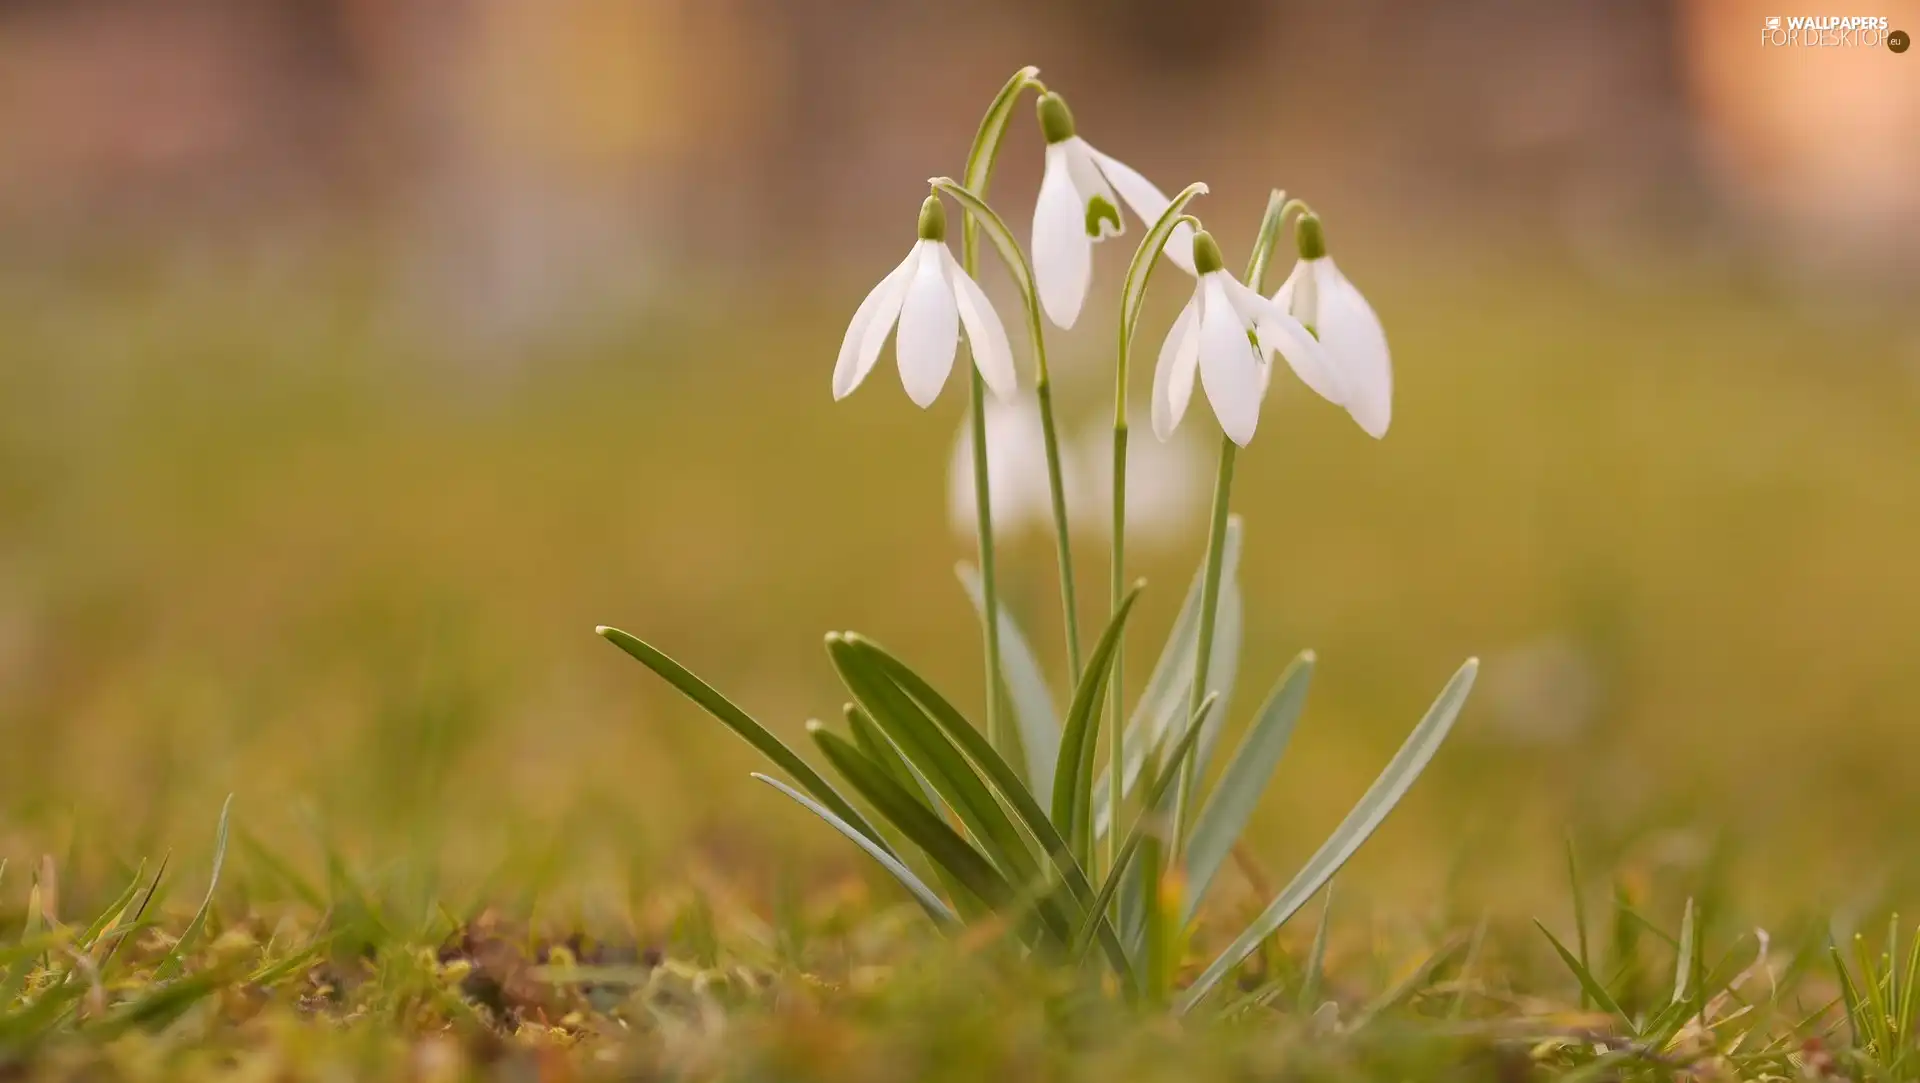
1350 335
1168 487
932 299
1079 204
1227 333
1016 471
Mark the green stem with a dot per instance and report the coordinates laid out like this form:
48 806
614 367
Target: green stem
989 577
1116 693
980 161
1002 237
1056 486
1209 610
1271 224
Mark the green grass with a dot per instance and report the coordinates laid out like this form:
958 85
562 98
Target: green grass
270 547
310 980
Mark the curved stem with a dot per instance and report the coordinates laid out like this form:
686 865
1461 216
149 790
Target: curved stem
1209 610
980 161
978 211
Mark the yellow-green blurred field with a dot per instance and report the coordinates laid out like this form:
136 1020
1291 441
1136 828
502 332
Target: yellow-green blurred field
261 539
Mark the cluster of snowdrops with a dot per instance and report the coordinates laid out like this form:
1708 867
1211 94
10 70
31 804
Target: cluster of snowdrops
1014 819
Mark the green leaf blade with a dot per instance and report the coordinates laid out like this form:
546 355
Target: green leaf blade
743 725
1231 805
1373 807
1073 773
928 899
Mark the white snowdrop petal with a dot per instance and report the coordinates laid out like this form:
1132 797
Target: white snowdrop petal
1174 371
1091 184
929 328
1282 334
1353 339
986 335
867 332
1148 202
1288 295
1229 366
1062 251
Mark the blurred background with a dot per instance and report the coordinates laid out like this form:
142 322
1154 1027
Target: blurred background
356 359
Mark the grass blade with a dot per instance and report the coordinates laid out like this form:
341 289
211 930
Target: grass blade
1579 912
1683 964
1232 803
171 965
1317 957
1379 800
1594 990
744 725
924 895
1033 707
1073 775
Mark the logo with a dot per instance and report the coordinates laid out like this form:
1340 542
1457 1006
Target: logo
1898 41
1831 31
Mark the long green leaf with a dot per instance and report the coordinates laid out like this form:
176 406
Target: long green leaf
1232 803
923 894
1073 774
1005 780
1142 823
1164 699
923 745
1379 800
941 843
874 743
744 725
1033 707
880 749
171 965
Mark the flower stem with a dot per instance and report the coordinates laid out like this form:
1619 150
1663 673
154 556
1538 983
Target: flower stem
1056 485
1271 223
1116 693
1209 611
980 161
989 578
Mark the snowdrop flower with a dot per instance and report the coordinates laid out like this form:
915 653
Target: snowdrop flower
1228 332
932 299
1322 299
1016 471
1078 206
1168 487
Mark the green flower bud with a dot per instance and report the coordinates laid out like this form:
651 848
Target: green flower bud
933 220
1206 253
1056 120
1309 237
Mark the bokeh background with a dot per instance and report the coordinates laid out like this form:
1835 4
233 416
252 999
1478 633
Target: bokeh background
357 358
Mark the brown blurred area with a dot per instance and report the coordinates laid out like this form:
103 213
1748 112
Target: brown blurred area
515 156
